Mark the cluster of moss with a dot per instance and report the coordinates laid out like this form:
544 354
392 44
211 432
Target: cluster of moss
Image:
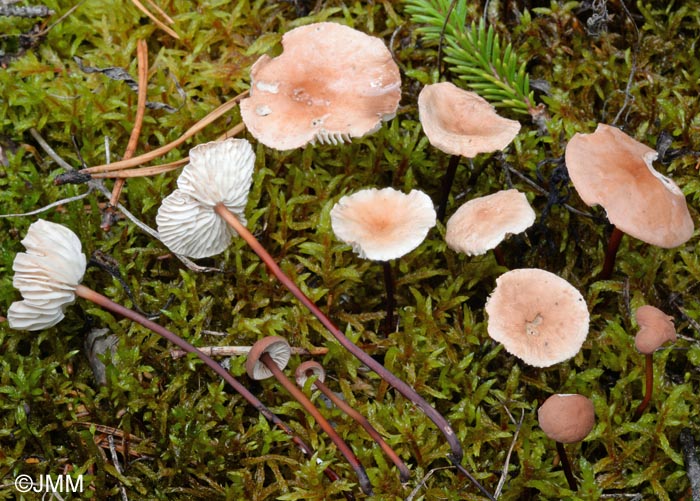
193 438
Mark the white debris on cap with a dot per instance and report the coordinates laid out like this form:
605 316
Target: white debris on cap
330 84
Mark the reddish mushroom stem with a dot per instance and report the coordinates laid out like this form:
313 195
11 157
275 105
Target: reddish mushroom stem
446 186
390 297
500 258
403 388
341 404
566 466
301 397
649 376
108 304
611 253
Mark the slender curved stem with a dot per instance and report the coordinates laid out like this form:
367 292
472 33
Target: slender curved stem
341 404
648 390
566 466
611 253
301 397
108 304
403 388
447 180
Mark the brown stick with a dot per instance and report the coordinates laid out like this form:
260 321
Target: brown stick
301 397
152 170
147 157
403 388
228 351
108 304
142 57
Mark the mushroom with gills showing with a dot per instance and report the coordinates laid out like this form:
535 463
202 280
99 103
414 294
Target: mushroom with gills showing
330 83
566 419
463 124
538 317
655 329
611 169
268 358
49 278
383 225
313 369
205 189
482 223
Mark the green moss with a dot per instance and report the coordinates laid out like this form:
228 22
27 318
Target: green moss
192 437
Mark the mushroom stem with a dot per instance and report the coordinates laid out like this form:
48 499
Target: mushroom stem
341 404
500 258
611 253
402 387
301 397
649 376
390 297
446 186
566 466
108 304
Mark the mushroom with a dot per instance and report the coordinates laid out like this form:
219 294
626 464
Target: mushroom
331 83
655 328
268 358
383 225
219 172
463 124
314 369
611 169
566 419
203 182
537 316
482 223
49 274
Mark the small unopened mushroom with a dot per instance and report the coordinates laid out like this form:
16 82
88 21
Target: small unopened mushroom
383 225
655 329
611 169
312 368
566 419
267 358
49 274
330 83
463 124
537 316
482 223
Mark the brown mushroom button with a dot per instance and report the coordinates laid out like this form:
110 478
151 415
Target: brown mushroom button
566 418
331 83
537 316
460 122
655 328
611 169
